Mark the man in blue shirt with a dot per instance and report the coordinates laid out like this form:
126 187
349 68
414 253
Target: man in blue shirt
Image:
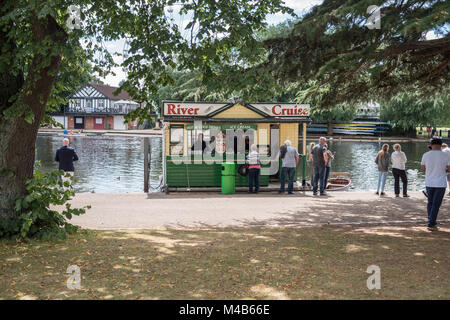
290 161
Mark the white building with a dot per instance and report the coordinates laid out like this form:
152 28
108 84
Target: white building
95 106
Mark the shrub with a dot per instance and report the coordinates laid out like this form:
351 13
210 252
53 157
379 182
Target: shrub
35 216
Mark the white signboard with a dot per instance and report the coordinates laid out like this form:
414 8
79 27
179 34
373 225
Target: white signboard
283 109
186 109
280 110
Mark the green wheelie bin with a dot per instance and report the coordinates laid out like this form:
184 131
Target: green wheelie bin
228 178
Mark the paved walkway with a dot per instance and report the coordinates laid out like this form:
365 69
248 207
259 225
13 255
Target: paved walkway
204 210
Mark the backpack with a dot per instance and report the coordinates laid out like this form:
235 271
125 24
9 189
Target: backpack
283 151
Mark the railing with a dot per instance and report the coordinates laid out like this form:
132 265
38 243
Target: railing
109 110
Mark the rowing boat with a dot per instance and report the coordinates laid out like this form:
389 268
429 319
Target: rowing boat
338 181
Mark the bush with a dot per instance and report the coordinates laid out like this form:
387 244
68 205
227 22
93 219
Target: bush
35 218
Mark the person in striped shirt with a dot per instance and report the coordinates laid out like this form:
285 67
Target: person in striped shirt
254 169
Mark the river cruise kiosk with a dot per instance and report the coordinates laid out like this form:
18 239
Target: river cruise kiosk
205 141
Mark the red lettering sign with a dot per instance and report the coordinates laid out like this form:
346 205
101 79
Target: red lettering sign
274 110
278 110
173 109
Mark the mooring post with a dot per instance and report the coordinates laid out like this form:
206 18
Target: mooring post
304 157
146 164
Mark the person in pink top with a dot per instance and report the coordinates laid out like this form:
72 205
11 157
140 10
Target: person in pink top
254 169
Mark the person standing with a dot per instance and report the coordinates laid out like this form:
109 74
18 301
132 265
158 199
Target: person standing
436 165
66 156
212 146
382 160
330 158
446 149
398 159
199 144
310 160
290 161
254 169
319 163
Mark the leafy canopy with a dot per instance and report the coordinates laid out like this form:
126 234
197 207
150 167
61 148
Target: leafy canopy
218 30
332 53
409 110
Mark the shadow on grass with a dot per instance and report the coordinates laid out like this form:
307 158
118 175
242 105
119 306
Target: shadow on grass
327 262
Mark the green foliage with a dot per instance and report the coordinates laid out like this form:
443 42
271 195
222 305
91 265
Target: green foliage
332 53
189 86
73 74
410 110
336 114
36 218
220 34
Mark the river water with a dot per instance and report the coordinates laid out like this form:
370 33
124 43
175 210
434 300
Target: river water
115 164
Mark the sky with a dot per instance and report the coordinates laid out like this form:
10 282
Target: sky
299 7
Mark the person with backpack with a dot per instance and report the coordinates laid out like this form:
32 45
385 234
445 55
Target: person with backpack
289 158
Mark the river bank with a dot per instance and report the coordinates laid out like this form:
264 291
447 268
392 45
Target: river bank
145 132
311 137
115 164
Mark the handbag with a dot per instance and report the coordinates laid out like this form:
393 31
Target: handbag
243 169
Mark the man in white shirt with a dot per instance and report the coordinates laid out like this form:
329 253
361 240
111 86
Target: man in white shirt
436 165
445 148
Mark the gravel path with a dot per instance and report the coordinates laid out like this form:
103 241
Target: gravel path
206 210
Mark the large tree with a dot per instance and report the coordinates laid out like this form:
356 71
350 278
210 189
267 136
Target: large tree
38 47
337 58
408 110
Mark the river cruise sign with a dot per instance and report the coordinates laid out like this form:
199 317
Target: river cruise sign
187 109
205 110
283 109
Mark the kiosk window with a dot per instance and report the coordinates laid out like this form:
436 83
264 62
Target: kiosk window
176 140
192 137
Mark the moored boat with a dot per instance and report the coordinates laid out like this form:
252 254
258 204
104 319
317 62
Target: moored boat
338 181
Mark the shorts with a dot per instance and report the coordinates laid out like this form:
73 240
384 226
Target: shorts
448 176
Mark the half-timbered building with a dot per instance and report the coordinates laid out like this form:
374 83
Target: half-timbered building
95 106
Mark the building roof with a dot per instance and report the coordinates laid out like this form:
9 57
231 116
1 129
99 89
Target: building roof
109 92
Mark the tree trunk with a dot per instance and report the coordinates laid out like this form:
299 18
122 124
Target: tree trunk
329 129
17 136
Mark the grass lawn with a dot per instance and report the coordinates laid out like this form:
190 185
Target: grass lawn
232 263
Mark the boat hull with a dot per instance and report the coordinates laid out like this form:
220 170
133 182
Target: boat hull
338 181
